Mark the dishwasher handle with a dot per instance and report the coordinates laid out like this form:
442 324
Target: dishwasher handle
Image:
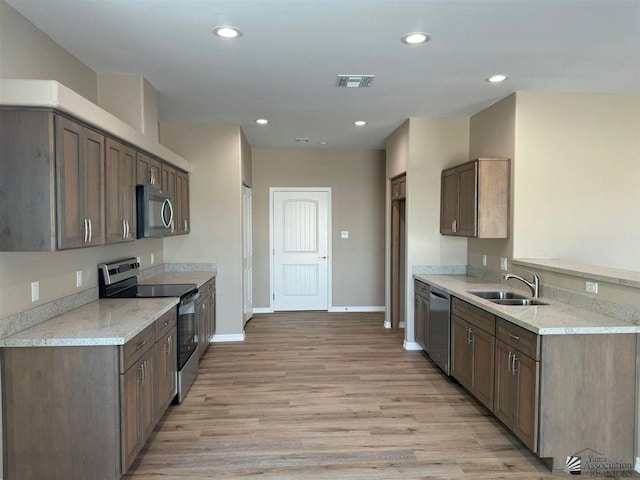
439 296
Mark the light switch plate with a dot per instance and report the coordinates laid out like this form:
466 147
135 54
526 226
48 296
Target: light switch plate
344 234
35 291
484 260
153 259
503 264
78 278
591 287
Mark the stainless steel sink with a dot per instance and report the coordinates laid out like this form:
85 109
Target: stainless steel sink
522 302
496 294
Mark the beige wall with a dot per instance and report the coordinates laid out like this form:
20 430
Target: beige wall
132 99
434 144
26 52
577 180
492 134
356 178
215 201
397 151
56 271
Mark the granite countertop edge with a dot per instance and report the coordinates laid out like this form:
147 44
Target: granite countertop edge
90 324
555 318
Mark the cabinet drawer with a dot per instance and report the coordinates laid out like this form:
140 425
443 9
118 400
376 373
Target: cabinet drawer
165 323
135 348
421 288
474 315
524 340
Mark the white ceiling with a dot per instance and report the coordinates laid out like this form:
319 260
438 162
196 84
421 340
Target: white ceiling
284 67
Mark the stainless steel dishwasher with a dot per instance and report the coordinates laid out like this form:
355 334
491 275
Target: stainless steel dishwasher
439 328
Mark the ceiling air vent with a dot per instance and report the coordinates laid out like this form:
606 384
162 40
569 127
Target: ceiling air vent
354 81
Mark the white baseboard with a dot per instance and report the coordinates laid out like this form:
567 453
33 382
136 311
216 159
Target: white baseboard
387 324
411 346
262 310
357 309
232 337
638 464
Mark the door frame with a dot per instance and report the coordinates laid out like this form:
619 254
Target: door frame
272 190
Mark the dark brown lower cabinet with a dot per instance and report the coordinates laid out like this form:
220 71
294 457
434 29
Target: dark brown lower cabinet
85 412
516 401
206 308
166 364
138 416
472 359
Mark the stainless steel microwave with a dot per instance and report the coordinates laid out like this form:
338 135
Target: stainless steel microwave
155 212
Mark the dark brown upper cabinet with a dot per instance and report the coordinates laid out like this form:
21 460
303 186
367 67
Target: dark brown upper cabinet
474 199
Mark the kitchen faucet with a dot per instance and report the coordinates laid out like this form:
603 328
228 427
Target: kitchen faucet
534 285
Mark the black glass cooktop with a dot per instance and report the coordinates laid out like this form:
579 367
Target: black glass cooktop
149 291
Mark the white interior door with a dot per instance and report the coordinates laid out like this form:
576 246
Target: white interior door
247 252
300 248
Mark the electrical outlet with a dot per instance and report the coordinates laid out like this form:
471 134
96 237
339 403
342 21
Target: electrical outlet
484 260
344 234
78 278
35 291
138 260
153 259
591 287
503 264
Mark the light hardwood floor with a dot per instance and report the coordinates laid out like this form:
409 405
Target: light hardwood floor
328 396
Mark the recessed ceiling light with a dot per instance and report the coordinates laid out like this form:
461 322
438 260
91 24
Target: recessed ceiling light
359 123
227 32
415 38
323 143
262 121
496 78
302 139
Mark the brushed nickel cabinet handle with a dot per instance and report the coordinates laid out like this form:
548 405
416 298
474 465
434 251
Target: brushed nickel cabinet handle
513 364
509 362
140 345
515 337
90 231
86 232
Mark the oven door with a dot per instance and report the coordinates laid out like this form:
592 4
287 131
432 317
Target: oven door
187 330
155 212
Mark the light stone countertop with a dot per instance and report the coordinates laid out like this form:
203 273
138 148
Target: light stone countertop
103 322
199 278
556 318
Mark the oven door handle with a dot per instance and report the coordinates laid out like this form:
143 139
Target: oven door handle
191 298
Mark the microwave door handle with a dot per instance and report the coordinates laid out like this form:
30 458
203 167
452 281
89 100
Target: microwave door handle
162 216
170 215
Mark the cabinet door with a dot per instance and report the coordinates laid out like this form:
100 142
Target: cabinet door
182 203
467 200
526 400
448 201
482 366
460 351
148 171
166 371
131 382
505 384
80 185
169 184
120 191
138 393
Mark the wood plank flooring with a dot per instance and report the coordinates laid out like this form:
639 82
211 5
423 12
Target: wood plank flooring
328 396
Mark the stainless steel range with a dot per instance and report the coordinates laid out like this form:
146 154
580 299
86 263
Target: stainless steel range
119 280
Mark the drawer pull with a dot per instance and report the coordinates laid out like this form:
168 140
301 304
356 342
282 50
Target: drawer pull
515 337
140 345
